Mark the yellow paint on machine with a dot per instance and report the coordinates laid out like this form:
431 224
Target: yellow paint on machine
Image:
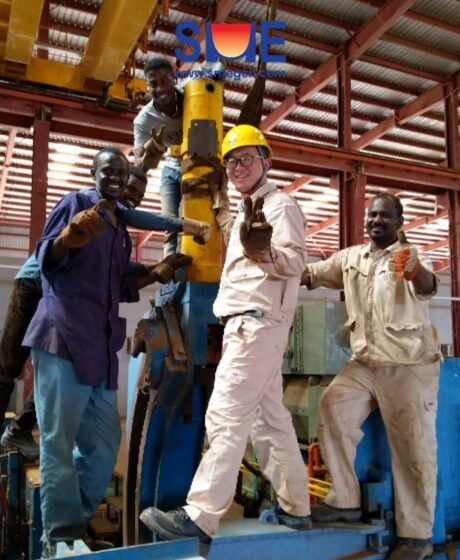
203 99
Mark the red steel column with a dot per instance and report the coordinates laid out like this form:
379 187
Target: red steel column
453 160
352 209
351 186
39 175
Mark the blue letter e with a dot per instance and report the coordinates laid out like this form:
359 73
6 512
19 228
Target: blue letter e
266 41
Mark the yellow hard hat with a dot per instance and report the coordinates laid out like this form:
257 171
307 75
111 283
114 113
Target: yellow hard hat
244 135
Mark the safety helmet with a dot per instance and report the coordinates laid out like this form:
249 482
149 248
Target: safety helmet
244 135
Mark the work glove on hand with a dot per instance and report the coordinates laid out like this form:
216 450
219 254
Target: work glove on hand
163 272
201 231
404 261
219 192
154 149
255 231
306 278
84 226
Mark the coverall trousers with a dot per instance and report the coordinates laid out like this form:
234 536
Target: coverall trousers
22 306
80 436
247 401
407 398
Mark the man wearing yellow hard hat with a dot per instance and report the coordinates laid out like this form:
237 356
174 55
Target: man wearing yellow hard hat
256 303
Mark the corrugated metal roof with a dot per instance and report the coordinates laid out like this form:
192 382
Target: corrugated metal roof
72 16
347 10
375 72
427 35
445 10
414 59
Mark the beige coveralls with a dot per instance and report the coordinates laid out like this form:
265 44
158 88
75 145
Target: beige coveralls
248 393
395 367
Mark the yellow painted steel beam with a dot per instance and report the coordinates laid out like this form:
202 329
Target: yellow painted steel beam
68 76
54 73
23 30
118 26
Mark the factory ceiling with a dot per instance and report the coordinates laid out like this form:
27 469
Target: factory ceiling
364 91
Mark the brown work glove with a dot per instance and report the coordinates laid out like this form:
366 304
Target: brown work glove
306 278
154 149
163 272
255 231
201 231
404 261
219 190
84 226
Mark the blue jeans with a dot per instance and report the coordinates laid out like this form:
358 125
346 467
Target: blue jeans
79 439
170 194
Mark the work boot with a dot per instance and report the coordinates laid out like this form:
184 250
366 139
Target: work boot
23 441
412 549
173 525
292 521
323 513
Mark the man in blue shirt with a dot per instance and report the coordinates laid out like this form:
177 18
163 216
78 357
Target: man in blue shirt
24 301
74 336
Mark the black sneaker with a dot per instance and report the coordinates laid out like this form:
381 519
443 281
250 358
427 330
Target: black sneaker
23 441
173 525
323 513
412 549
292 521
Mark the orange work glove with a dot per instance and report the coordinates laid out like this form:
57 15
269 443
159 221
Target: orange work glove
84 226
163 272
404 261
255 231
154 149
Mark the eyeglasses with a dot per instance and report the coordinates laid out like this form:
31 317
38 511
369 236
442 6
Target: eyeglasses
245 161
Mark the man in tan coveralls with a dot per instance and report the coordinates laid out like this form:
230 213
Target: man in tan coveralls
394 366
256 303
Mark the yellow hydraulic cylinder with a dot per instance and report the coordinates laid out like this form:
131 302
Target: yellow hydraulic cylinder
203 130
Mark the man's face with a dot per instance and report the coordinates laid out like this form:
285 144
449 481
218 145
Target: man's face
135 192
160 83
111 175
382 222
249 167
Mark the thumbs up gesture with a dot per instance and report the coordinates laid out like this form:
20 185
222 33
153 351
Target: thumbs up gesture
404 260
84 226
154 149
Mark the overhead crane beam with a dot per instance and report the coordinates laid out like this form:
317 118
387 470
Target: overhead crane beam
118 27
366 35
23 30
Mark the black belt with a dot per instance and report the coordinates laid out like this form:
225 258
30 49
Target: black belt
251 313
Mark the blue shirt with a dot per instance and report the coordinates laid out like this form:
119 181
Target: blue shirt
77 317
134 218
29 269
